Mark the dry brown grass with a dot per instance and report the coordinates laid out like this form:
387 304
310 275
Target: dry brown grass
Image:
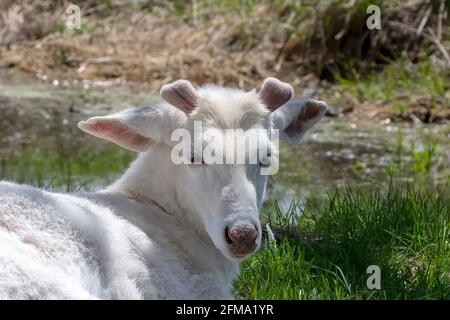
26 20
142 47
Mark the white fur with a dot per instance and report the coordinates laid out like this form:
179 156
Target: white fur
156 233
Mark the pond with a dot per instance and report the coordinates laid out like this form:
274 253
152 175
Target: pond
41 144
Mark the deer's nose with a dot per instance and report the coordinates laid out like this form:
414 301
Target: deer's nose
241 239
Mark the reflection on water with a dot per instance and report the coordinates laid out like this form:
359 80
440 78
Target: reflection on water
40 143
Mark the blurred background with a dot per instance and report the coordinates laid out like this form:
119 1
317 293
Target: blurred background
382 66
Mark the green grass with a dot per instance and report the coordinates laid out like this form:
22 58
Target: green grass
326 252
64 169
424 158
397 81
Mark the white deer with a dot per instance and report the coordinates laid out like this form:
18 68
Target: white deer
163 230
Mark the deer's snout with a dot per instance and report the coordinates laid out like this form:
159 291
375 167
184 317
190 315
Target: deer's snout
241 239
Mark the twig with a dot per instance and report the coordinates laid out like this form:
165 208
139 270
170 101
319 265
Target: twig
100 60
438 44
439 21
424 21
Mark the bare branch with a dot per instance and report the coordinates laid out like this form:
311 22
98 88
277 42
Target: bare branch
424 21
439 21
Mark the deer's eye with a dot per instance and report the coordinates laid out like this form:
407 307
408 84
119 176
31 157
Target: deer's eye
264 164
265 161
193 160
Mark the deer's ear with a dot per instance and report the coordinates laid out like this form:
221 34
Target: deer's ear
274 93
137 128
180 94
116 131
295 118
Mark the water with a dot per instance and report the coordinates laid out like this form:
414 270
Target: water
40 143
